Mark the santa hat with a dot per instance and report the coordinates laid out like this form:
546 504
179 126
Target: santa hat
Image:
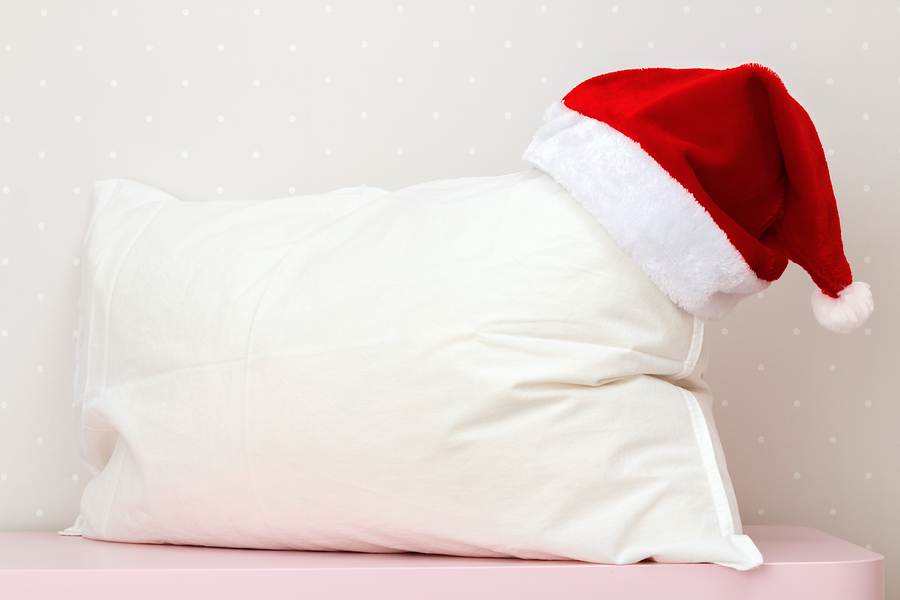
711 180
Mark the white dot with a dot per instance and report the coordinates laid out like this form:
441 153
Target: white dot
399 80
221 47
39 441
40 297
471 80
543 80
149 118
76 261
579 44
363 115
471 150
78 48
615 9
829 81
436 44
5 262
41 154
256 154
761 367
113 83
471 9
867 259
74 476
149 47
508 115
868 331
184 83
8 48
3 475
399 150
796 331
761 511
40 369
219 190
364 44
832 367
435 115
793 45
868 404
291 190
220 118
256 83
256 13
721 44
328 80
327 9
865 117
115 12
760 295
758 10
828 10
5 189
865 46
3 404
39 513
687 9
832 439
40 226
6 119
508 43
832 512
327 150
830 152
796 403
724 402
78 118
868 476
44 12
399 9
185 12
760 439
43 83
292 118
650 44
724 331
796 475
184 154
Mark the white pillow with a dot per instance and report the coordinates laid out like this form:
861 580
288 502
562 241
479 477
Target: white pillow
466 367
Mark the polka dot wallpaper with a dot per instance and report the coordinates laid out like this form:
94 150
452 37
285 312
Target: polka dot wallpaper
271 98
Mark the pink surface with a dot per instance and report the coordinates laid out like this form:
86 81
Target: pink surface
799 563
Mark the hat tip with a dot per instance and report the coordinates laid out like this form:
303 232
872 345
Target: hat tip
846 312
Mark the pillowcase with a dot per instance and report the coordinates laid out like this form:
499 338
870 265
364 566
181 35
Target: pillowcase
467 367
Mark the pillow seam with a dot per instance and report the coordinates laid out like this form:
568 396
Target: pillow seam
710 466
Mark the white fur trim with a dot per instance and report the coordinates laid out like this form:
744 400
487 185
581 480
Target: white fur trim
651 216
846 312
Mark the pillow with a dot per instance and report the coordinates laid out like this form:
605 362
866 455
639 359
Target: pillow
467 367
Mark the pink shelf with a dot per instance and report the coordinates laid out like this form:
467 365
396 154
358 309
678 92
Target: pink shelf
799 563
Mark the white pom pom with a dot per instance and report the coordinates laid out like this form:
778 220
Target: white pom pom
846 312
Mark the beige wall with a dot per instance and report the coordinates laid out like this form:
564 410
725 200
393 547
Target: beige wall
808 418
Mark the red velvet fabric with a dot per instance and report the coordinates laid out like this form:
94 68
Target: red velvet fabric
744 148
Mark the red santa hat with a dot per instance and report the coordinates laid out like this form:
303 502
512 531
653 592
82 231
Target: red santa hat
711 180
